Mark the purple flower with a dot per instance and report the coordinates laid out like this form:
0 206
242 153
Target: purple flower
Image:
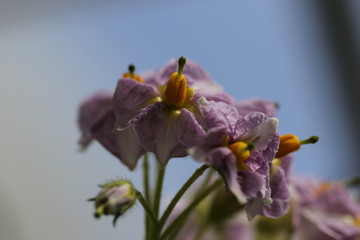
242 149
97 121
324 210
162 108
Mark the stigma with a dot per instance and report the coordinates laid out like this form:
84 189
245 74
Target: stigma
131 74
290 143
176 89
242 152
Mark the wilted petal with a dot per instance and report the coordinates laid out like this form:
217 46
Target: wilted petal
222 158
122 144
167 133
252 183
90 112
279 194
129 98
267 107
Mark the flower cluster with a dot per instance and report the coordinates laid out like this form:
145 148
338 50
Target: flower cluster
178 110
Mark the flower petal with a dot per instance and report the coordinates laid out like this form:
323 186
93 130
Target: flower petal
279 194
90 112
122 144
167 133
129 98
218 115
265 106
222 159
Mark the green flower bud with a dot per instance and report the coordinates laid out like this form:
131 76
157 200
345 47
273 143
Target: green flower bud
115 199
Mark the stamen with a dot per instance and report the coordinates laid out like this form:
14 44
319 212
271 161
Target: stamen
131 74
175 93
290 143
241 150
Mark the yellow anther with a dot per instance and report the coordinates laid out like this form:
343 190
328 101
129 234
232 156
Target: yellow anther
276 162
131 74
176 89
241 152
134 76
175 93
288 143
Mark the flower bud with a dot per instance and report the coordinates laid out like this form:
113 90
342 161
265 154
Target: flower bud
115 198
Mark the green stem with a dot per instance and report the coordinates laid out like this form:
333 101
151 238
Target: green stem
207 179
146 178
150 213
147 194
159 184
180 193
187 211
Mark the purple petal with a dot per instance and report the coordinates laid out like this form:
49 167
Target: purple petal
122 144
280 198
287 165
215 96
279 194
218 115
267 107
315 225
129 98
90 112
252 183
167 133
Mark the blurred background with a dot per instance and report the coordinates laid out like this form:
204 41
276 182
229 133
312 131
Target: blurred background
53 54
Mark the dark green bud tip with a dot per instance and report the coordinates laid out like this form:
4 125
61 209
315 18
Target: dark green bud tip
181 64
310 140
131 68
